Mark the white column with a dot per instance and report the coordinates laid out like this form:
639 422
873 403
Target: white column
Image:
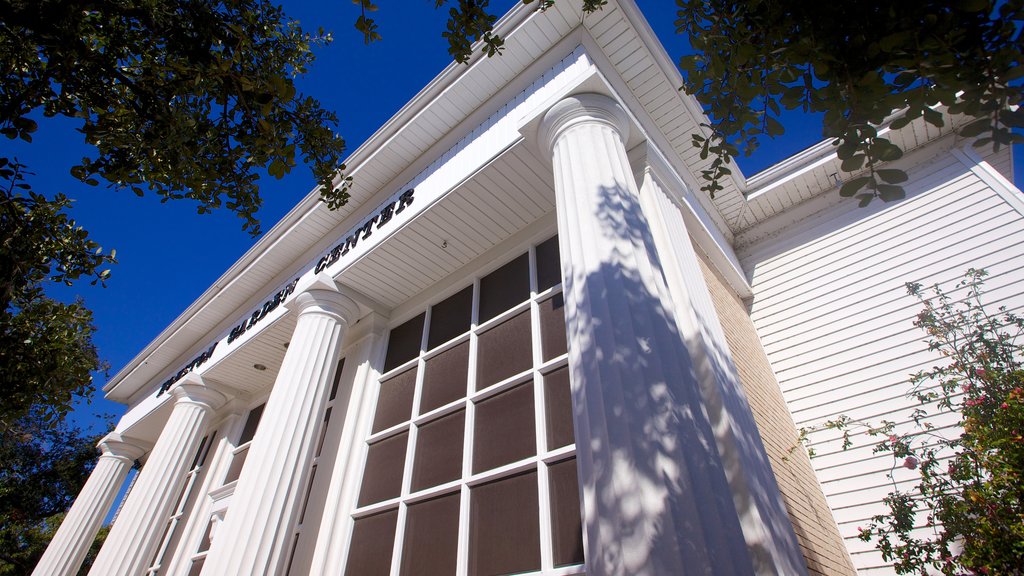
655 497
356 398
255 535
133 537
71 542
766 527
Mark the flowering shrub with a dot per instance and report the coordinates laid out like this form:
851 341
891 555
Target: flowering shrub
965 513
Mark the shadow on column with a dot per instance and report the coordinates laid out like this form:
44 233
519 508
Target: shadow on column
677 513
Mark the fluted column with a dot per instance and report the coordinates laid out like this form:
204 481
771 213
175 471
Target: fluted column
134 535
257 529
71 542
766 526
654 494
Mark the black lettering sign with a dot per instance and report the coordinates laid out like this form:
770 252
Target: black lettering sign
365 229
261 313
195 363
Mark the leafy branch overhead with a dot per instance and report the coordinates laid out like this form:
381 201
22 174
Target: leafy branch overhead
863 65
469 21
183 99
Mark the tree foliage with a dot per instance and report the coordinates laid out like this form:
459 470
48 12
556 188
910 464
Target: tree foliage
44 468
184 99
46 347
864 65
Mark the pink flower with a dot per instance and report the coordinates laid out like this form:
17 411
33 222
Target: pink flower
910 463
1004 405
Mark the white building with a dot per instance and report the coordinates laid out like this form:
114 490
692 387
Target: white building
530 344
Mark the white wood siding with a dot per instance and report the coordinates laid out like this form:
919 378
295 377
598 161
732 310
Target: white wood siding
836 321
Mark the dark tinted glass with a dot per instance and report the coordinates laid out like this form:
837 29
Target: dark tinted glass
504 350
504 427
404 343
552 327
394 404
373 539
504 532
251 423
450 318
558 404
337 378
197 566
432 537
549 270
309 492
439 451
384 464
204 544
566 528
444 378
504 288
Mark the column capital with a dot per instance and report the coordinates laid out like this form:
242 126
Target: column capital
193 390
578 109
116 446
322 296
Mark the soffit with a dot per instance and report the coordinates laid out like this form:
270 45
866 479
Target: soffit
818 170
502 199
506 196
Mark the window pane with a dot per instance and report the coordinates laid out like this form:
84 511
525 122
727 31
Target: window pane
450 318
309 492
549 271
504 429
373 539
439 451
504 350
251 423
404 343
432 536
504 532
505 287
394 404
566 527
384 464
204 544
337 379
444 378
552 327
197 566
558 403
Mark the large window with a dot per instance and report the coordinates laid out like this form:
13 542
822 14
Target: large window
470 462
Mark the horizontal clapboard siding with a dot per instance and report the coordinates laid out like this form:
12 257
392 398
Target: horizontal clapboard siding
833 313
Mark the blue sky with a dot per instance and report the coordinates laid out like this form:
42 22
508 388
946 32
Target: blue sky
168 255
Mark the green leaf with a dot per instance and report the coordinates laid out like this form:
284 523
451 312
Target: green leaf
933 117
976 128
851 187
900 122
853 163
891 175
890 192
